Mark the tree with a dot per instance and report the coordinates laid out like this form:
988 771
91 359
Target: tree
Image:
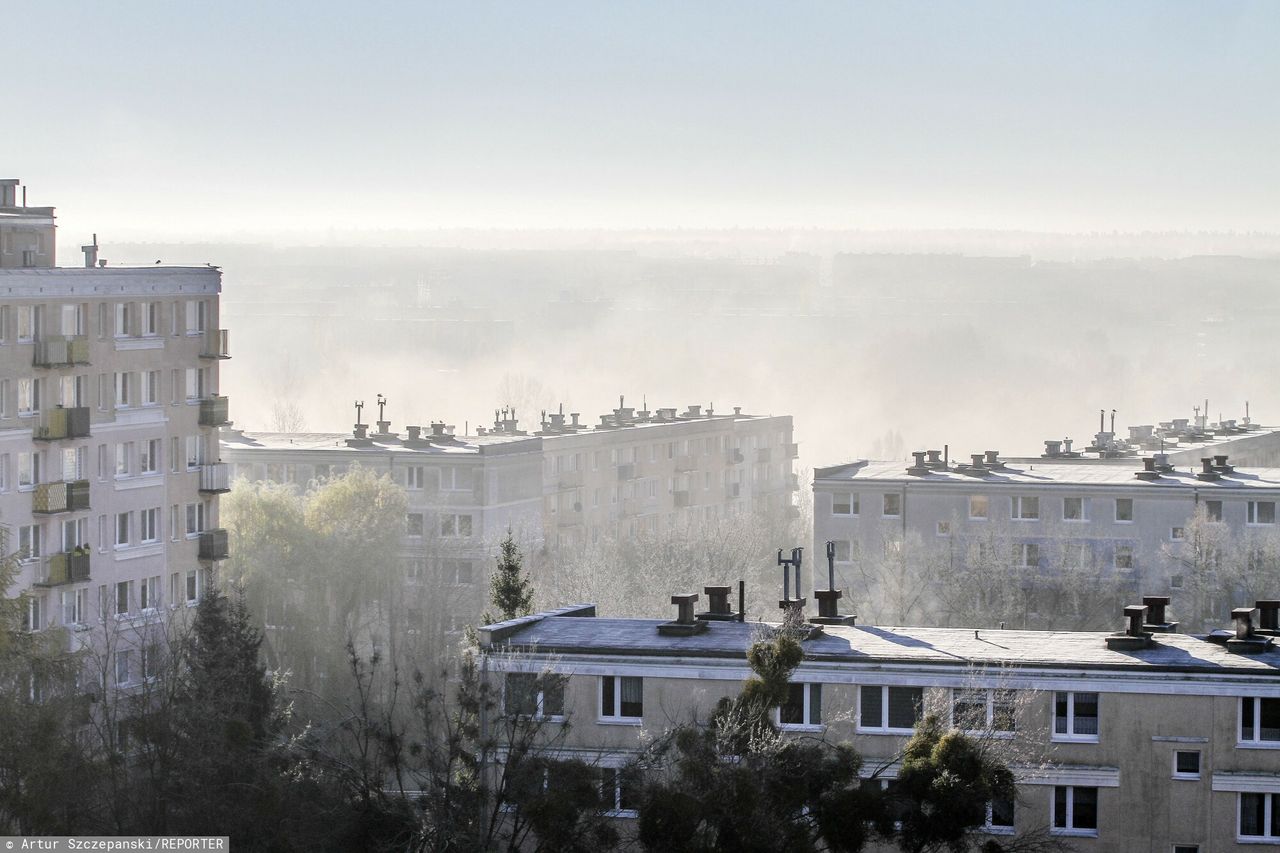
510 589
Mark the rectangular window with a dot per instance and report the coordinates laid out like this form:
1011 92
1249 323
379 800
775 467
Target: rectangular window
1026 508
28 470
150 525
122 598
193 586
1177 534
1259 817
122 666
892 505
1259 720
1124 557
1262 512
1026 555
1075 810
621 697
122 529
844 503
415 477
617 792
530 695
803 706
1000 816
944 528
1073 509
150 318
149 592
1213 510
151 388
983 710
29 541
1186 764
28 396
124 318
124 450
149 461
122 389
1124 509
195 519
1075 716
890 709
26 323
413 524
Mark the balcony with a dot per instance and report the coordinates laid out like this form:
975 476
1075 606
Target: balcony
681 498
764 454
215 478
213 412
61 351
217 344
734 457
213 545
70 496
59 569
792 450
62 422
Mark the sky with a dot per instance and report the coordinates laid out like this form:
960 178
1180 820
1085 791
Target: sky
148 119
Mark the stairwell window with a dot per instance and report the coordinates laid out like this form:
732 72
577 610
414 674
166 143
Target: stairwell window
621 699
1075 717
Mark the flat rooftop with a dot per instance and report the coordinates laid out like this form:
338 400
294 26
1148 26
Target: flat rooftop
962 647
331 441
1018 473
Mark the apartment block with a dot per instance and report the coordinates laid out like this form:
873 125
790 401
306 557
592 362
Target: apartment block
1126 520
1145 739
109 409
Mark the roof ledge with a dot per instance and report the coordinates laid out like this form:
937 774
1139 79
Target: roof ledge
490 634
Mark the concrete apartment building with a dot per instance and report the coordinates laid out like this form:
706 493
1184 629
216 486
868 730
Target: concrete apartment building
109 409
1128 521
562 485
1165 743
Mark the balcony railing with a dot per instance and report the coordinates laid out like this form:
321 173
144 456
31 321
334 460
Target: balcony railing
217 344
213 545
68 567
215 477
60 497
61 351
62 422
213 412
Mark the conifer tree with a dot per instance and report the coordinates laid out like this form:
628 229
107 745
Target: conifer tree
510 589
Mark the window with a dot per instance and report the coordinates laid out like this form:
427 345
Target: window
455 525
33 615
531 695
122 665
944 528
28 470
196 311
75 607
1259 817
150 318
149 462
1124 557
122 389
29 536
149 593
892 505
149 528
151 661
195 383
1075 555
124 318
978 709
890 709
26 323
454 479
803 706
1075 716
193 586
621 698
617 792
1176 582
1075 810
979 507
1213 510
124 450
1026 508
195 453
28 396
1186 848
1261 512
1073 509
122 598
1186 764
459 572
413 524
844 503
1000 816
122 529
151 388
1259 720
195 519
414 477
1026 555
1124 509
1177 534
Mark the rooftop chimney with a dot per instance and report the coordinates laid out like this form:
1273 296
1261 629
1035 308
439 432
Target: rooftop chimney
1247 641
1156 621
573 416
787 602
91 253
9 192
685 623
415 433
1268 617
718 607
993 459
1207 472
829 598
935 460
1052 449
919 468
1220 464
1148 471
1135 636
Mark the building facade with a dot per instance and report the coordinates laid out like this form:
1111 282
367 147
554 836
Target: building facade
1134 524
1168 745
109 409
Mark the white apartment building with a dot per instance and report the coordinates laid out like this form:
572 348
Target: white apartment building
109 409
1129 519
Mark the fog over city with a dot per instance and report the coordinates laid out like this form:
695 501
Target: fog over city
680 427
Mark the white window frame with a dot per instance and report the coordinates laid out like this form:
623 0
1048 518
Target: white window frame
1116 510
540 698
979 500
852 504
1251 514
1083 517
616 717
1019 507
1255 742
990 828
1070 829
1268 810
1070 735
992 698
884 505
1024 551
1178 774
883 726
806 710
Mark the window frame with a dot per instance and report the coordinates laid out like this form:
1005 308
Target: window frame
1251 514
807 708
1082 517
986 507
884 505
1187 775
1070 829
540 680
1268 818
1071 735
852 504
1018 508
1257 741
992 699
884 727
617 718
1116 511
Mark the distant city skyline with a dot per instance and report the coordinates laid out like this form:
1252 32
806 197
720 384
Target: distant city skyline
162 121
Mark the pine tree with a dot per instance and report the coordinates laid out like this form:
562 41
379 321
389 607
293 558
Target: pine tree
510 589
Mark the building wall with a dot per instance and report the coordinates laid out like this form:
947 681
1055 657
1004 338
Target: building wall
143 387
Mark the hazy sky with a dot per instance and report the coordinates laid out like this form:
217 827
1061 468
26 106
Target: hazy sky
156 118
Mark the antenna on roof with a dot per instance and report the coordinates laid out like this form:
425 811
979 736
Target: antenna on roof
359 407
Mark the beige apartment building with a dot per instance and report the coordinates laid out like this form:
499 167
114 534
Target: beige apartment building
1166 743
109 409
